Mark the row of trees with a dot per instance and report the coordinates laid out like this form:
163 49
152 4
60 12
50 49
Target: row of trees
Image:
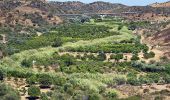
85 31
111 48
79 63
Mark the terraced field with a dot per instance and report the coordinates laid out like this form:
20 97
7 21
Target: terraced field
102 62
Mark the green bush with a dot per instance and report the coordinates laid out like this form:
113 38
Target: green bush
8 93
95 96
27 63
32 80
44 80
44 96
148 67
58 42
149 55
101 56
135 57
117 57
59 80
34 91
111 93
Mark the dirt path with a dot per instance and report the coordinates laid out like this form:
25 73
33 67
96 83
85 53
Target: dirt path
158 53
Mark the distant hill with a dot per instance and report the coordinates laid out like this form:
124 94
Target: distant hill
165 4
76 7
95 7
37 13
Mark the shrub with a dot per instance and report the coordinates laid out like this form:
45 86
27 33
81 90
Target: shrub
44 96
59 81
133 81
94 96
135 57
26 63
164 58
119 80
68 88
145 80
111 93
149 55
101 56
148 67
32 80
8 93
2 74
67 59
34 91
58 42
45 80
167 78
117 57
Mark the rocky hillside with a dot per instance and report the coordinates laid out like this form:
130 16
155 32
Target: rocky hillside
26 12
158 5
103 7
38 13
95 7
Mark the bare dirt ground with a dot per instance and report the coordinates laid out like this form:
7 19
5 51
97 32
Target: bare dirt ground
158 53
144 90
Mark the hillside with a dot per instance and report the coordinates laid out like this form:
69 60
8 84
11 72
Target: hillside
27 13
162 40
158 5
73 7
56 51
79 7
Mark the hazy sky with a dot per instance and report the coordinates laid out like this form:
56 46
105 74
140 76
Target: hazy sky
127 2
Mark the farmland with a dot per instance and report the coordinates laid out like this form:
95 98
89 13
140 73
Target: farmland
91 59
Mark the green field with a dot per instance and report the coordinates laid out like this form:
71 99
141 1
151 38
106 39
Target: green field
90 72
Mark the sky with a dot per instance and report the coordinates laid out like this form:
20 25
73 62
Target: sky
126 2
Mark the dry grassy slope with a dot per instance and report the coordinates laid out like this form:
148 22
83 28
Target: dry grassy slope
162 39
25 12
165 4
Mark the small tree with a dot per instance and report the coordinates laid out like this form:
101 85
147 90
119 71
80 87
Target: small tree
26 63
58 42
32 80
101 56
68 59
117 57
34 91
45 80
135 57
149 55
